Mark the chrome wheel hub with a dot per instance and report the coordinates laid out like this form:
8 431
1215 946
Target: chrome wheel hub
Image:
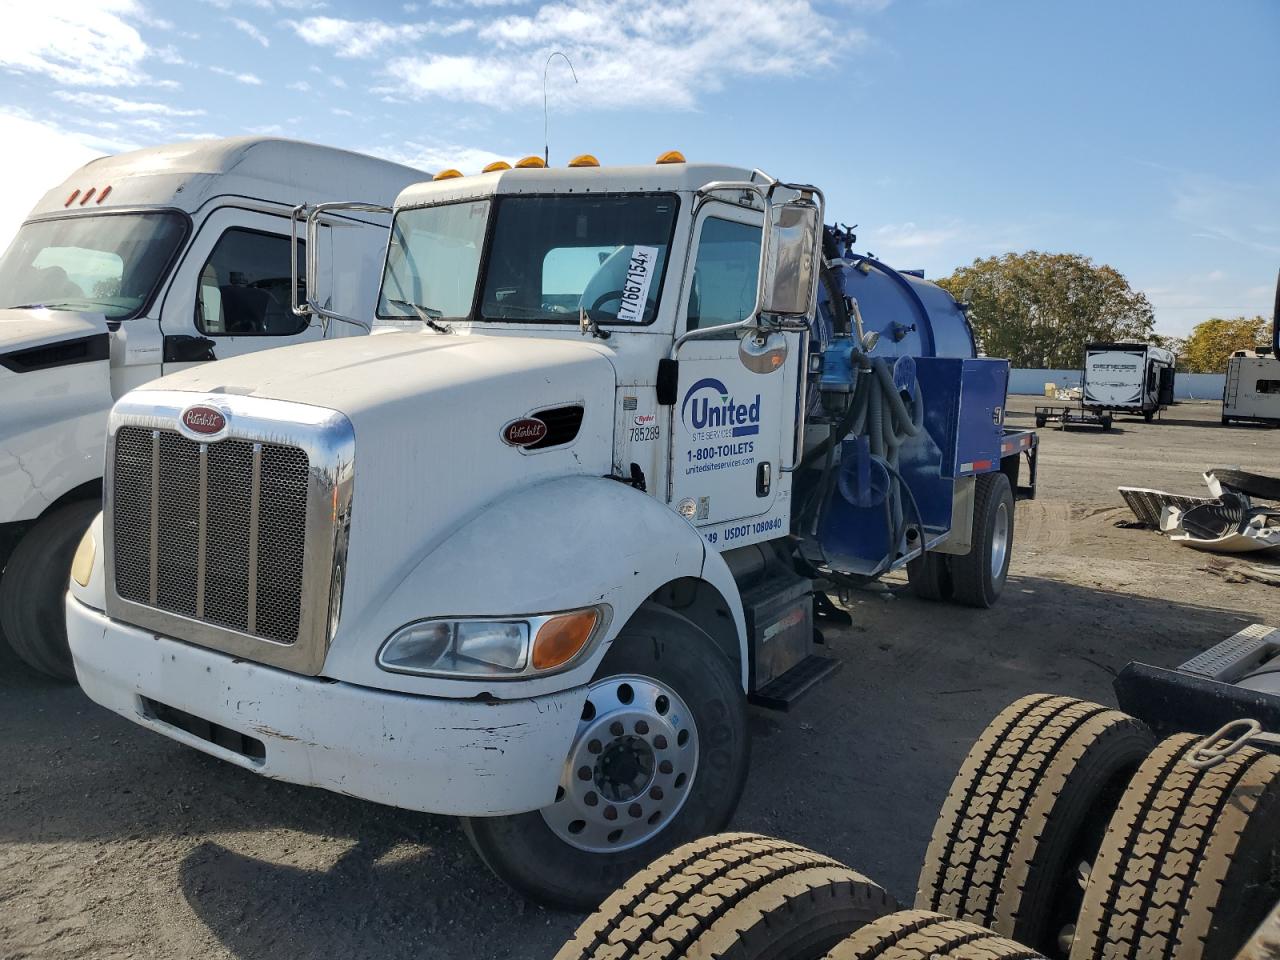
630 767
999 541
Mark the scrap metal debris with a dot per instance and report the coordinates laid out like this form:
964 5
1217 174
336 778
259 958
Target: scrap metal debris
1227 521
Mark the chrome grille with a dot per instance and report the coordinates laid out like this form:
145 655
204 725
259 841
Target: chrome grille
212 531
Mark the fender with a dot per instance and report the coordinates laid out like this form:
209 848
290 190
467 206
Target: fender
564 543
52 434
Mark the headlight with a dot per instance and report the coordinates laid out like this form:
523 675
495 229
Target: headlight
82 562
491 648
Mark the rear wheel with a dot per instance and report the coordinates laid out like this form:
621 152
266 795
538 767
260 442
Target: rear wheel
736 895
1187 867
922 935
34 585
659 758
978 577
1106 422
930 576
1148 415
1029 805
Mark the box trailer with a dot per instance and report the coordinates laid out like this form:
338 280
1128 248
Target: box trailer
1131 378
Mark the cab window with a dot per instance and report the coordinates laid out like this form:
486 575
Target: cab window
245 287
725 273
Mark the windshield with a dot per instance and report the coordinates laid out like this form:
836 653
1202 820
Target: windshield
548 258
104 263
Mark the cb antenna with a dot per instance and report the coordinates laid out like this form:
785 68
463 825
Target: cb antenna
546 135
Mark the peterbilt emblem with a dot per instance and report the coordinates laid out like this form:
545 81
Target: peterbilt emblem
524 432
204 420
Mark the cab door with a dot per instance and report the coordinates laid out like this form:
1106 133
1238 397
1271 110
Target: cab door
233 292
732 423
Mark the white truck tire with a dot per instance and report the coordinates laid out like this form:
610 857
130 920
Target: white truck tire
660 758
34 584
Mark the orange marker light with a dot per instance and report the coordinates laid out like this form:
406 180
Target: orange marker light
449 174
71 199
584 160
530 162
103 195
496 166
88 196
562 638
671 156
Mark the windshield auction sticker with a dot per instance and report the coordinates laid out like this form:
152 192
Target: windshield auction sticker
635 291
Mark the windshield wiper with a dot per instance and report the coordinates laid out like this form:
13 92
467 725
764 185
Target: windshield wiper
428 315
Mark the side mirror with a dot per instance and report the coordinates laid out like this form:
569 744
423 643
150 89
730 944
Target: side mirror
789 261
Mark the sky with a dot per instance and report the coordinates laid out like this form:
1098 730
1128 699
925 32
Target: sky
1145 135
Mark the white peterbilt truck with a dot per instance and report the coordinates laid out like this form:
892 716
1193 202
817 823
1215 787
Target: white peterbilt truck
527 562
138 265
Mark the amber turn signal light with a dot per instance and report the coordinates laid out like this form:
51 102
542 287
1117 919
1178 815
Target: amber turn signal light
562 638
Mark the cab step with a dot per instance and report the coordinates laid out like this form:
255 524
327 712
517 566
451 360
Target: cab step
1236 655
783 692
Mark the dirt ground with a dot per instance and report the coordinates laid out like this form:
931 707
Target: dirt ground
115 842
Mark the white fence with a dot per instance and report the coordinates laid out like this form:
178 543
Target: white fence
1186 386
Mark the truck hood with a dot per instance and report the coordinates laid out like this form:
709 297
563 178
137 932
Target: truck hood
23 329
429 415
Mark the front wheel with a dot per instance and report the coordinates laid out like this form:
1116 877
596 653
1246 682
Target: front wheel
659 758
35 582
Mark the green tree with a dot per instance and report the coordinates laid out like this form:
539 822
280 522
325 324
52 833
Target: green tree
1209 345
1040 309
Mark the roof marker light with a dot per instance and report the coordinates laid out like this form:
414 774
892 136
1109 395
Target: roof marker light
671 156
449 174
88 195
496 166
530 162
103 195
71 199
584 160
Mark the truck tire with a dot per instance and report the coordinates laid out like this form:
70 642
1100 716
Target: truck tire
1187 867
1148 415
735 895
923 935
1106 423
979 576
660 758
1029 805
34 585
930 576
1041 421
1250 484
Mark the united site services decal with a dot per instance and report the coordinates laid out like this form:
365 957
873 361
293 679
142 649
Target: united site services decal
635 289
720 427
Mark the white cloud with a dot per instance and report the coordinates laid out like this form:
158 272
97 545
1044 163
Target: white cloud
341 112
655 57
249 30
909 236
75 42
364 38
438 156
47 157
301 86
252 79
110 104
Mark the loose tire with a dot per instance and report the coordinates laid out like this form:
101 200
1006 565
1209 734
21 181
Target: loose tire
670 709
923 935
1187 865
34 585
978 577
1029 805
930 577
1041 421
738 896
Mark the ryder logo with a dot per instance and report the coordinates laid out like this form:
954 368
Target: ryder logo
708 405
204 420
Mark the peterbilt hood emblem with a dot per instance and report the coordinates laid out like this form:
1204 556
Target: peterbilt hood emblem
204 420
524 432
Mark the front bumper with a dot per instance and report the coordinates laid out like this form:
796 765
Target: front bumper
461 757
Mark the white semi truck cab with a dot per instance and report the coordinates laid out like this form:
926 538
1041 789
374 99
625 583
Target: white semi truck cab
526 559
139 265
